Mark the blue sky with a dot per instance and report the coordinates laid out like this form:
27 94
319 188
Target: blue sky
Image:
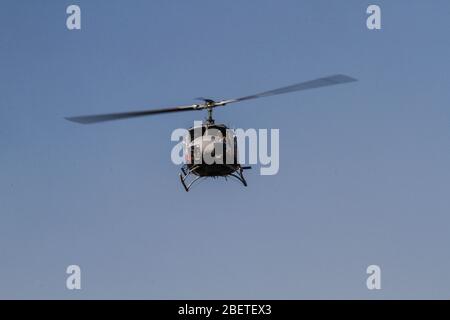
364 168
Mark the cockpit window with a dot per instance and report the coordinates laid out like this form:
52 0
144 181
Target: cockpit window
194 131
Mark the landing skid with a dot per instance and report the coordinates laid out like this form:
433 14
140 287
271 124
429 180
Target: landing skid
186 172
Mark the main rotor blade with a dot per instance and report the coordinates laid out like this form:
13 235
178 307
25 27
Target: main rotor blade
317 83
125 115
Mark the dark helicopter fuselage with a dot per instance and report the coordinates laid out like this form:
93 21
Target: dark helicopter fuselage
211 151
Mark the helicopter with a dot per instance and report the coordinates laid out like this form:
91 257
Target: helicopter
212 138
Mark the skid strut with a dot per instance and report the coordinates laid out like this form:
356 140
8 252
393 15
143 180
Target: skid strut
186 172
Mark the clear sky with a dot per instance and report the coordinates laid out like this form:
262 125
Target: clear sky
364 167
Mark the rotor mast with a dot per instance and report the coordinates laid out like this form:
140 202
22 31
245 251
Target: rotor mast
209 119
209 105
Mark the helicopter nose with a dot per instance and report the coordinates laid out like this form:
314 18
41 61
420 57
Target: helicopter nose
213 147
209 149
